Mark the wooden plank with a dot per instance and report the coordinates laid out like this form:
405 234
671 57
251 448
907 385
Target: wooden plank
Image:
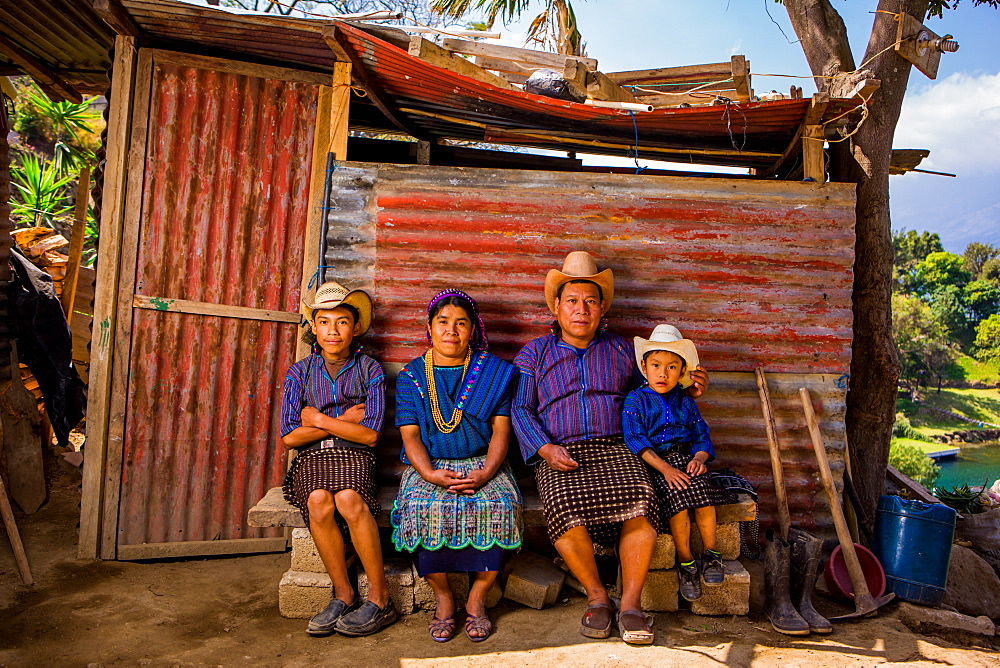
239 67
122 332
340 109
14 535
22 440
775 451
511 70
198 548
76 243
119 20
542 58
600 87
741 78
435 55
817 108
813 155
105 306
205 308
47 79
673 74
694 99
908 483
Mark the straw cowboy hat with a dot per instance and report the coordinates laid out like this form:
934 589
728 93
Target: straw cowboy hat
331 294
579 265
666 337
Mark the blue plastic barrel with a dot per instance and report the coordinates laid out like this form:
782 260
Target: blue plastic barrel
913 542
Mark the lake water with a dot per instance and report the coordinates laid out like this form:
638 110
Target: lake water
975 464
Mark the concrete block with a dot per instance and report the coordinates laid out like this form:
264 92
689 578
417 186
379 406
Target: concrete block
305 557
953 626
664 554
973 587
423 594
302 595
533 581
660 592
399 575
732 597
274 511
727 540
744 510
758 597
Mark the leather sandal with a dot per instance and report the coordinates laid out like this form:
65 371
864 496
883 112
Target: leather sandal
482 625
593 625
634 626
438 625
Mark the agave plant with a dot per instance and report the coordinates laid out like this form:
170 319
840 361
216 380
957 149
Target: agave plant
66 120
40 195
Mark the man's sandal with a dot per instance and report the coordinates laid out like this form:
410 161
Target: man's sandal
596 622
447 626
634 627
480 625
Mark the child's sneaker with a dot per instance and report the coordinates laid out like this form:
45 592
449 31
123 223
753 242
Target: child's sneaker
711 568
690 583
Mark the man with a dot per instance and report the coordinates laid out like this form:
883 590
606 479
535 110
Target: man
568 418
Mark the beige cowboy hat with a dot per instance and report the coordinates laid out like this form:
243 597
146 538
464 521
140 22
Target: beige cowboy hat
667 337
579 265
331 294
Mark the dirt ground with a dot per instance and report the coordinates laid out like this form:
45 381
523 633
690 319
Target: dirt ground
224 611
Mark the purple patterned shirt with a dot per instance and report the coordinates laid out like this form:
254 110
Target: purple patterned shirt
566 394
307 383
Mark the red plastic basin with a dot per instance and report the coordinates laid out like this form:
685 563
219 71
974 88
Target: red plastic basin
838 579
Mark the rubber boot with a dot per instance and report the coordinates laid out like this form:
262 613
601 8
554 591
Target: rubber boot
806 549
780 611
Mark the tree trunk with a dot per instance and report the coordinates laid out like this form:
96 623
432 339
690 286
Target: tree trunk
864 158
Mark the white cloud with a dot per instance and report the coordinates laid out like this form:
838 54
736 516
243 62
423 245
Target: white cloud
958 119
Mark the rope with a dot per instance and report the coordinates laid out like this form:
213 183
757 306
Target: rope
635 149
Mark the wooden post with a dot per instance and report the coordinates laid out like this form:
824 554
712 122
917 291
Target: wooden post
813 155
105 302
772 443
76 243
340 108
15 538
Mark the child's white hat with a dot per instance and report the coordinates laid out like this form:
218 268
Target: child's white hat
667 337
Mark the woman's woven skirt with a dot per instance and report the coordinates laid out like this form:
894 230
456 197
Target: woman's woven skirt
427 516
333 469
609 487
699 493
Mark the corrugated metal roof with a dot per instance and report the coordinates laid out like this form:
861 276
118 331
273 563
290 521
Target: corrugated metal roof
756 273
224 213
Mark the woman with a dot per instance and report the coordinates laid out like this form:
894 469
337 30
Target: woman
458 507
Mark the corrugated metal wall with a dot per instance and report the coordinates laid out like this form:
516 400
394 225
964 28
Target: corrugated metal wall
224 213
756 273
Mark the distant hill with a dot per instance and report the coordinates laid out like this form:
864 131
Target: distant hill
982 225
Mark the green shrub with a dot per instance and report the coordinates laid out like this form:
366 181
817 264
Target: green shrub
903 429
911 462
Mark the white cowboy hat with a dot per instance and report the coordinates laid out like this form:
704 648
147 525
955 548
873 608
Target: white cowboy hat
666 337
331 294
579 265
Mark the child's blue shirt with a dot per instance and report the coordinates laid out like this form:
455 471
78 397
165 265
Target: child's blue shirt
658 421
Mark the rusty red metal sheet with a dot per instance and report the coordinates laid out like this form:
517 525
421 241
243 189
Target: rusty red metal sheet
225 206
756 273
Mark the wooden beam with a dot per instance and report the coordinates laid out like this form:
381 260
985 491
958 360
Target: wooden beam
511 70
105 305
117 18
543 58
686 74
741 77
575 76
359 74
435 55
864 89
15 537
698 98
600 87
914 487
813 155
47 79
340 108
793 150
76 244
204 308
197 548
817 108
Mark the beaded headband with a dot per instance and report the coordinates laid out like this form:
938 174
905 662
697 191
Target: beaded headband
479 339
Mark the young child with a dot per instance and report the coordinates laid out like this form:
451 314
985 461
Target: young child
332 412
662 425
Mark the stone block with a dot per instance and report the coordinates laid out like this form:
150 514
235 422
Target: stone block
533 580
732 597
399 575
952 626
494 595
758 597
274 511
302 595
727 540
664 554
660 592
744 510
973 588
423 594
305 557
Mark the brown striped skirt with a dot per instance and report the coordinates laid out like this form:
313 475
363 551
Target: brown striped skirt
609 487
333 469
700 492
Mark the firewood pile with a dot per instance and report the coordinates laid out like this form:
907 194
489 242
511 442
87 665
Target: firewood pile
41 245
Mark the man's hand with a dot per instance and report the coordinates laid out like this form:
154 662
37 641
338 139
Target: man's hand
445 478
311 417
557 457
675 479
473 480
700 378
354 414
696 467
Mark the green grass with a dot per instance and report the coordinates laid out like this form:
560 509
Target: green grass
972 370
982 405
923 446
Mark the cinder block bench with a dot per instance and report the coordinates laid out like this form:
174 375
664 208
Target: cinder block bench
305 588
